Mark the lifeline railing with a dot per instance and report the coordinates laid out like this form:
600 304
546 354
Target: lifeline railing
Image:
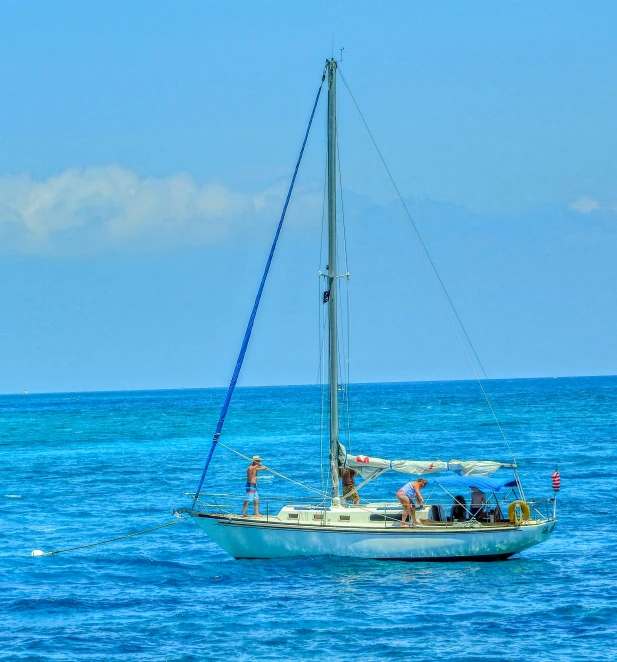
228 504
389 511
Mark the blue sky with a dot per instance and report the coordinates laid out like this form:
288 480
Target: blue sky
145 149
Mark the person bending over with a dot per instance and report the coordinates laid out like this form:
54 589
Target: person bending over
409 496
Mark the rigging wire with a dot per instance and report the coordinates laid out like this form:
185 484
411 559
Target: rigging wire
321 332
249 327
435 277
322 388
425 252
276 473
347 295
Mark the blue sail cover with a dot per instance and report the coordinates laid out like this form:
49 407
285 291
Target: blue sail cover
480 482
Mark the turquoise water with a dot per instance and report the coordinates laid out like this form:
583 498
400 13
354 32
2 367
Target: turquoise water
82 467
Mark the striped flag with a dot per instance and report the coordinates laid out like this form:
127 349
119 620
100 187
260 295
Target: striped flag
556 478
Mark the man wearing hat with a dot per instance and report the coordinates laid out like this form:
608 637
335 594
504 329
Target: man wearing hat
251 486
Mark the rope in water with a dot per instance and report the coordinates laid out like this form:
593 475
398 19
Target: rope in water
39 552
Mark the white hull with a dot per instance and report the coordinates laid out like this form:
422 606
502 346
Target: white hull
254 539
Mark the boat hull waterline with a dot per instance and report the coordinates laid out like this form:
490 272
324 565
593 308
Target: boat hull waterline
252 539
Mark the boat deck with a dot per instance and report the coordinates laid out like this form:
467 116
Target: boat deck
370 516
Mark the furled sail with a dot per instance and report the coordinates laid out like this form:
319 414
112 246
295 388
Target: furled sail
367 466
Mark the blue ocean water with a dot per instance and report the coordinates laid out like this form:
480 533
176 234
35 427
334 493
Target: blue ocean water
82 467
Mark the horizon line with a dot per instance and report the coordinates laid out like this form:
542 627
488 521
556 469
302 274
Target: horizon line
312 384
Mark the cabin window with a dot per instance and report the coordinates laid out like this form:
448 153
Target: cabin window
293 516
318 516
345 518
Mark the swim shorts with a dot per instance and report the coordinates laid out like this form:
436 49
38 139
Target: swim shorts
251 492
411 498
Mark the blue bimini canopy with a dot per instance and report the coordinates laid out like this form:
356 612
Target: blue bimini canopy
480 482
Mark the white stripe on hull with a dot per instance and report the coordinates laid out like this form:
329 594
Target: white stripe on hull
265 541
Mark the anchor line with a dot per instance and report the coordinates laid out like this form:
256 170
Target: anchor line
104 542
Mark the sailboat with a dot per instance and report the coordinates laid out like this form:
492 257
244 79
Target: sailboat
504 523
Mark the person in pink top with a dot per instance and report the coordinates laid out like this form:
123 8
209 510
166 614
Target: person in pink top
409 496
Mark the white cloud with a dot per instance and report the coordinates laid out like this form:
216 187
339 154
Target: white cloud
585 205
110 207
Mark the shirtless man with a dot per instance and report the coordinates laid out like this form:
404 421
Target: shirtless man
251 486
406 496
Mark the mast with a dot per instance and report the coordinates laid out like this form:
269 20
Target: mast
332 284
